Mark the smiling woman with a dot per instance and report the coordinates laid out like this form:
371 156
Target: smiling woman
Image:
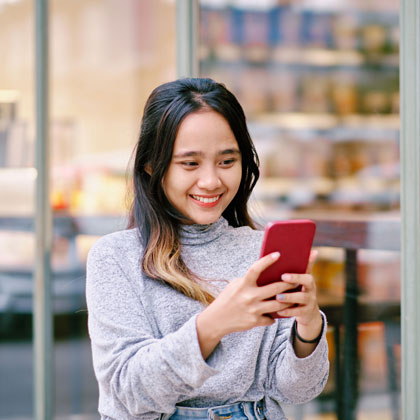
193 131
173 301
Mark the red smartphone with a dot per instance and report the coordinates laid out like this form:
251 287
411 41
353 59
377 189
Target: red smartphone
293 239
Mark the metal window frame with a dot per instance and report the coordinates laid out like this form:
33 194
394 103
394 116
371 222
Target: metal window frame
410 206
187 12
42 300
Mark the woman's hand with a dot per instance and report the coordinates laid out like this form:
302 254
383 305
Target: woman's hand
240 306
304 306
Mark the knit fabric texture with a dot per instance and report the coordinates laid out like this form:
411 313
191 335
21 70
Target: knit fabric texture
145 348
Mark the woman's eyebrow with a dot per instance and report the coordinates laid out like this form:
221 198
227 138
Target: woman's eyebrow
193 153
230 152
188 153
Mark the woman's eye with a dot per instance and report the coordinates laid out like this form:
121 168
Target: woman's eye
189 164
228 162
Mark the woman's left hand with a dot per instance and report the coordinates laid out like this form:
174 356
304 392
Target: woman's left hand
303 304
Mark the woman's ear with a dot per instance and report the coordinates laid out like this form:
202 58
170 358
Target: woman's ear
148 169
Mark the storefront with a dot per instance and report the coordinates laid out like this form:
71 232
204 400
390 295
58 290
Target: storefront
323 84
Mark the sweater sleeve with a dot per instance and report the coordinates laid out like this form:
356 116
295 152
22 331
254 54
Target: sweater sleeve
295 380
145 374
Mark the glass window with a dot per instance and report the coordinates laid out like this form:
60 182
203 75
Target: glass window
17 180
105 58
319 82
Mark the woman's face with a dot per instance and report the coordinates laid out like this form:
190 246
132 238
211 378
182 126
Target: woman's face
206 170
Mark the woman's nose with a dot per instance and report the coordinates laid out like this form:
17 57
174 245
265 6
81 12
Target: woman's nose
209 179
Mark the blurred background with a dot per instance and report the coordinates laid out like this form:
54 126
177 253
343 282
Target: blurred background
319 83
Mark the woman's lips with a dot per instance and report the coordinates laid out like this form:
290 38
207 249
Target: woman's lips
206 201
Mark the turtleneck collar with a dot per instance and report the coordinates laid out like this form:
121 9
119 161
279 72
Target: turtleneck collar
201 234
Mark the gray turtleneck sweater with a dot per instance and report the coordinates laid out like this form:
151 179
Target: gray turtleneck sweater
145 348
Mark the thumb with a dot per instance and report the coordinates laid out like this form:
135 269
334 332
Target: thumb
312 258
259 266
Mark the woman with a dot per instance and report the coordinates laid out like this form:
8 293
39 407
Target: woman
177 322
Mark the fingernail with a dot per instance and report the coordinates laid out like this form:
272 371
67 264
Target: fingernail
275 255
286 277
280 297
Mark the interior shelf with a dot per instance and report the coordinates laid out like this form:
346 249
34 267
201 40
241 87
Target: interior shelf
327 121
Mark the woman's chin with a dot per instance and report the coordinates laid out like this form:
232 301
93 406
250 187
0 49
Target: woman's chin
205 219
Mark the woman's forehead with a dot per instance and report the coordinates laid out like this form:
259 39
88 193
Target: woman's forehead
203 131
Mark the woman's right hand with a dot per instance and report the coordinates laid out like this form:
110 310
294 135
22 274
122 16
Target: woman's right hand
240 306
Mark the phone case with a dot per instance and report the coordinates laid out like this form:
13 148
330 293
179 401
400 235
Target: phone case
293 239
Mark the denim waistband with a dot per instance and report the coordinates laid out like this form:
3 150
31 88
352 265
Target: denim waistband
251 409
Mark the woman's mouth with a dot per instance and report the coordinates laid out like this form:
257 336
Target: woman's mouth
207 201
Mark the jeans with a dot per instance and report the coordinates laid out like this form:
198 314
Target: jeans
238 411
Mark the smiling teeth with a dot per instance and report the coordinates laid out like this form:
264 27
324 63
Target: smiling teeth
206 200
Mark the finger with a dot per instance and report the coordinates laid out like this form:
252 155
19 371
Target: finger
289 312
273 289
269 306
305 280
312 258
293 310
259 266
299 298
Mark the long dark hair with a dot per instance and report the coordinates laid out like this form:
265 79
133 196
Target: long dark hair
156 219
